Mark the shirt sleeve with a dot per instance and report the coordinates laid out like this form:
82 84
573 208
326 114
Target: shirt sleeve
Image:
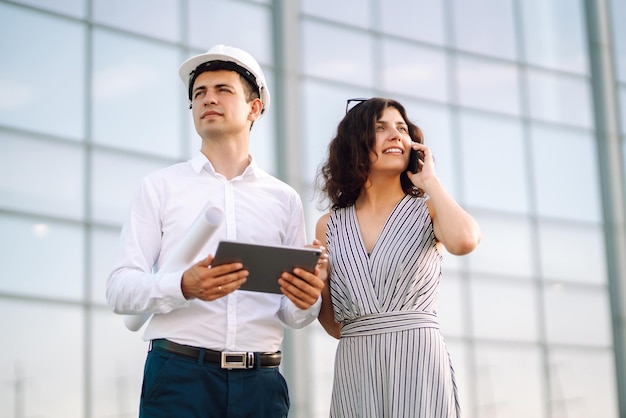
295 317
132 286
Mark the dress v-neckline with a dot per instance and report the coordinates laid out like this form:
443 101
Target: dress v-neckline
380 233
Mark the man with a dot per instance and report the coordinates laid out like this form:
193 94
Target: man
213 348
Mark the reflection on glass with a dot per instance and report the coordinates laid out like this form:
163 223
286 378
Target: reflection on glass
115 180
349 61
506 247
41 177
566 174
573 253
71 7
414 70
243 25
42 359
582 383
103 247
554 34
509 381
504 310
622 106
117 369
157 18
323 349
41 258
577 315
618 15
494 163
436 125
42 84
421 21
560 99
452 305
351 12
488 86
485 27
322 109
263 135
138 96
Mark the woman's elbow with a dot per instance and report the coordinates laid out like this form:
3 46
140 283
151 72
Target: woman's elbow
464 246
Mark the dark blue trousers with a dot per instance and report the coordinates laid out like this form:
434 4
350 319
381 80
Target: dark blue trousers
175 386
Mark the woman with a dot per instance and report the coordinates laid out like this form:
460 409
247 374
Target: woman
384 235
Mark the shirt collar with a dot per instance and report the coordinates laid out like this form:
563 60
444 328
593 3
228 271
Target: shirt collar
199 162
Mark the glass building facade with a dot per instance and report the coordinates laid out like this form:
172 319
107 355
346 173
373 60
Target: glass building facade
522 101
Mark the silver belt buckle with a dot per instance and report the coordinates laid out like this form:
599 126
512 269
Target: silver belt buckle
237 360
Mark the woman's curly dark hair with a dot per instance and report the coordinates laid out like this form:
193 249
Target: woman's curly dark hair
345 171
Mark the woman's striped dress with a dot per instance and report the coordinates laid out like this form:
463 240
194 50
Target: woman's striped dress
391 359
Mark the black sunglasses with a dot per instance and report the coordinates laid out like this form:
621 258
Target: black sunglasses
357 101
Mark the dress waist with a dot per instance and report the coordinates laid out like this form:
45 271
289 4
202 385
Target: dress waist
380 323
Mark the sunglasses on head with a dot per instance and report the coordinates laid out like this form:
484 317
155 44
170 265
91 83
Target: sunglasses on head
352 103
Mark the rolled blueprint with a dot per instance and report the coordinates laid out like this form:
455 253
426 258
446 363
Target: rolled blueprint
183 256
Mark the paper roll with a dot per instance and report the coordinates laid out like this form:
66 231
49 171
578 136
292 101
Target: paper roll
183 256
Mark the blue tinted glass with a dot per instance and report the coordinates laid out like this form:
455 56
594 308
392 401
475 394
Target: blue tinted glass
42 84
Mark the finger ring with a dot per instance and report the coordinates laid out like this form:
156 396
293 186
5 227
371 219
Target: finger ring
219 289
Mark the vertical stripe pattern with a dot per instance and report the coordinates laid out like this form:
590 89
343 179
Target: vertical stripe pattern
391 359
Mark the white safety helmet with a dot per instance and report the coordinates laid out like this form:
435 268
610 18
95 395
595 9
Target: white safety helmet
244 64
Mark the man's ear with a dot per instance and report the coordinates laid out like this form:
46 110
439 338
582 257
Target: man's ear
256 106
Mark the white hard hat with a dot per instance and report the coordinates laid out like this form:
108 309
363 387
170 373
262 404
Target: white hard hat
245 64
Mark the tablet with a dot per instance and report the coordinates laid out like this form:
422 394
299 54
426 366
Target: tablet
265 262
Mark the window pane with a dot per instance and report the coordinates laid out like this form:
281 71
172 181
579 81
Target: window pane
494 166
42 353
421 21
436 125
559 99
103 248
583 383
566 174
452 306
117 368
488 86
323 107
352 12
41 258
323 348
577 315
414 71
485 27
158 18
505 310
622 106
137 95
506 246
554 34
116 178
221 22
263 137
349 60
510 381
618 13
38 76
71 7
40 176
572 252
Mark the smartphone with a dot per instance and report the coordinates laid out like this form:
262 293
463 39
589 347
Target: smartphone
414 158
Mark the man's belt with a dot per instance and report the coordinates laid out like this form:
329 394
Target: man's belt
224 359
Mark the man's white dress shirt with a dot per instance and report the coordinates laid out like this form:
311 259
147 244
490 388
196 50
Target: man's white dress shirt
258 208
